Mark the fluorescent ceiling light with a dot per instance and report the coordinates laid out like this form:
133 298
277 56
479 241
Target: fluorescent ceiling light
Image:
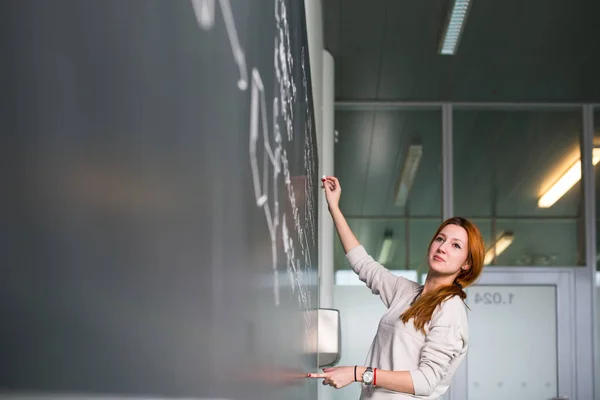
386 248
454 27
407 176
504 240
566 182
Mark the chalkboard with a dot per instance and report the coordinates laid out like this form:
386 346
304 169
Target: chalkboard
158 218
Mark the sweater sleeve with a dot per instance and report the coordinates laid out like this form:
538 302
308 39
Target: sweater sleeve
444 341
378 278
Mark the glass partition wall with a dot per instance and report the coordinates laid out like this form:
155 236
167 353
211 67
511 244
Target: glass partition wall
516 174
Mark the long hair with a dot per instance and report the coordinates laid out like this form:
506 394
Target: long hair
422 309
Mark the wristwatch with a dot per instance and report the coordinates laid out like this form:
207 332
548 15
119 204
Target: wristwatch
368 376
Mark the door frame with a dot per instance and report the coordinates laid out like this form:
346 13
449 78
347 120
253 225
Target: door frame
563 279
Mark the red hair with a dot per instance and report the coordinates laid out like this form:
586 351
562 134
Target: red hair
422 309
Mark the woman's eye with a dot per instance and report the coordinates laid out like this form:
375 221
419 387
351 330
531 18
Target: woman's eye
439 238
457 246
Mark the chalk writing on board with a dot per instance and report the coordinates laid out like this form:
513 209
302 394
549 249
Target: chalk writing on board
258 116
309 168
205 15
284 63
308 156
268 154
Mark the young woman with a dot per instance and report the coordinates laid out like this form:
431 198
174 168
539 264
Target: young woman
423 335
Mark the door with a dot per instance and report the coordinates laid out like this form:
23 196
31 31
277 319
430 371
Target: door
520 337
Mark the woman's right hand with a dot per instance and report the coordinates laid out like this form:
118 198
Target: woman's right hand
333 191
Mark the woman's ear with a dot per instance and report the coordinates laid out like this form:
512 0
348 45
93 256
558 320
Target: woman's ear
465 267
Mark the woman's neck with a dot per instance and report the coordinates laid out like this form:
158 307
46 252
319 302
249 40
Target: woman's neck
433 282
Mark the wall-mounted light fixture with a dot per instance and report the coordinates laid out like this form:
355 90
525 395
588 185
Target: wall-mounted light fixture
568 179
412 159
502 242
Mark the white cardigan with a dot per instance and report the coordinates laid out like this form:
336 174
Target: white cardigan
431 359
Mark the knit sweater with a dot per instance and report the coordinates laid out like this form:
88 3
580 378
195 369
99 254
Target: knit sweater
431 359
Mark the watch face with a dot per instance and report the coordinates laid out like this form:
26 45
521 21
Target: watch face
368 376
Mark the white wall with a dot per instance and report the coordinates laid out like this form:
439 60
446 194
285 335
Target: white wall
512 342
314 31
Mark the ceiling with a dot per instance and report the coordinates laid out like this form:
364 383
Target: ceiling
510 51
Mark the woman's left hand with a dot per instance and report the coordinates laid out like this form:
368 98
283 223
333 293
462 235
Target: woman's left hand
337 377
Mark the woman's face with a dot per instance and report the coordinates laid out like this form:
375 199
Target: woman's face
449 250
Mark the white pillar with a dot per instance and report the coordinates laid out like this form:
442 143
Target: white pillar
314 32
323 103
326 228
